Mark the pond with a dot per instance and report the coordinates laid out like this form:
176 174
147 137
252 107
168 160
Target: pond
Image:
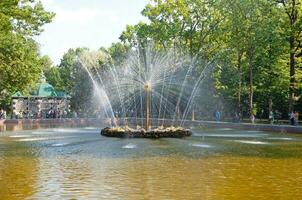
79 163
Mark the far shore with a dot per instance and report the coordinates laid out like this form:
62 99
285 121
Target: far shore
27 124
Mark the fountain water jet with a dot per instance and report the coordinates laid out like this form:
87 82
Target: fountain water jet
151 87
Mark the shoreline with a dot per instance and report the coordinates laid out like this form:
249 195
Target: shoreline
20 124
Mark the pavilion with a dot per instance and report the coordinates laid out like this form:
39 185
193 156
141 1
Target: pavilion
43 102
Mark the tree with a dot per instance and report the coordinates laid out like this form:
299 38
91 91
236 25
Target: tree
20 62
118 52
138 34
189 25
71 76
293 31
53 76
253 37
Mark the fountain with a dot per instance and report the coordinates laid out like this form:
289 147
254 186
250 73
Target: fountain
150 95
146 132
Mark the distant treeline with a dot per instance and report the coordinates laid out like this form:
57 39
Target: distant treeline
256 45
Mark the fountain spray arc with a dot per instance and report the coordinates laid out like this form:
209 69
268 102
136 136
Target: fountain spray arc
148 87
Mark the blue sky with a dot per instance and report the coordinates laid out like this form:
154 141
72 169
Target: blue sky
83 23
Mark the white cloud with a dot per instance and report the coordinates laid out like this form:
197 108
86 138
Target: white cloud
47 3
80 16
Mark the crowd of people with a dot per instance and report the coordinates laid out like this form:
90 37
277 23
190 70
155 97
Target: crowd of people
274 117
52 113
217 115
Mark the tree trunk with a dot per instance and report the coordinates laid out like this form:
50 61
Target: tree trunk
292 64
251 95
191 47
239 83
293 17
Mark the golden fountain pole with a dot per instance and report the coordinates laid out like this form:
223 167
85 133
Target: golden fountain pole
147 88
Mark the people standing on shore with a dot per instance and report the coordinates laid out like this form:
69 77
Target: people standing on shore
271 117
292 118
217 115
278 116
74 114
296 116
2 114
252 118
236 118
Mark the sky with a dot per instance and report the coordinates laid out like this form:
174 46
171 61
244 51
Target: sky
83 23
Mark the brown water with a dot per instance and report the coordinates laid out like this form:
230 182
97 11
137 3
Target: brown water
78 163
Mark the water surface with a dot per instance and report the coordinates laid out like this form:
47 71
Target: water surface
79 163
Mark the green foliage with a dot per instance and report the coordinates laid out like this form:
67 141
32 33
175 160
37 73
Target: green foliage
20 62
54 78
189 25
71 77
251 38
118 52
292 26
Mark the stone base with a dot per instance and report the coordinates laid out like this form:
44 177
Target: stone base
156 133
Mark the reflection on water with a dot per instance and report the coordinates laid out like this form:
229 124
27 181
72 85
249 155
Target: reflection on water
202 145
251 142
18 176
81 164
129 146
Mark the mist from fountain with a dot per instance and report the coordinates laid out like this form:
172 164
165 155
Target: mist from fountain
150 86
